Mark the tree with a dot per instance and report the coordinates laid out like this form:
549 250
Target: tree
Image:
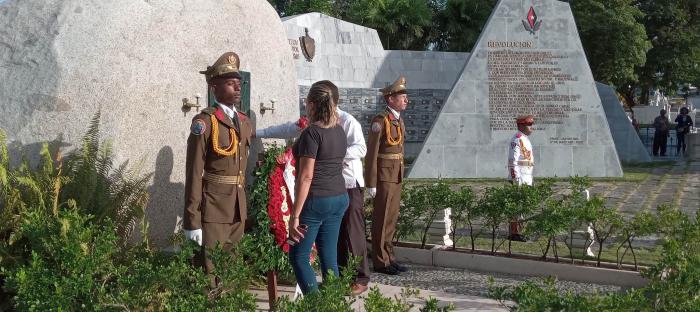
613 37
672 27
306 6
401 24
460 23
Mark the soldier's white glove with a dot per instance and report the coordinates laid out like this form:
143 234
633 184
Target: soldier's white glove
195 235
372 191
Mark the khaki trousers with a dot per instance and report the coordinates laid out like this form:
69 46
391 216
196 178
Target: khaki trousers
384 218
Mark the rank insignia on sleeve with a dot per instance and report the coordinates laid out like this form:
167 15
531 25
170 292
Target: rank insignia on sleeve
198 127
376 127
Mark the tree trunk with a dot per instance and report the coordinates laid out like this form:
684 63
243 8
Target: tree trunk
634 256
471 234
493 240
571 246
546 250
644 97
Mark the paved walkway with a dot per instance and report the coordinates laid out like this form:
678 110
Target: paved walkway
460 302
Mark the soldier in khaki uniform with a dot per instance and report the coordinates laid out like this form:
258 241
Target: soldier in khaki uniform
384 173
217 153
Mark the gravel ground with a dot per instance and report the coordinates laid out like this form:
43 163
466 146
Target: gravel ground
464 282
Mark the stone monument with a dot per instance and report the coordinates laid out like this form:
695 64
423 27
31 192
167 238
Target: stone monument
627 142
61 61
528 60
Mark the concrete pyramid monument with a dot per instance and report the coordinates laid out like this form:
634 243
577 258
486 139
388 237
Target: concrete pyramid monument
627 142
528 60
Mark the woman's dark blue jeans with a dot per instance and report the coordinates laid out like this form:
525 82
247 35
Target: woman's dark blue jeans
323 216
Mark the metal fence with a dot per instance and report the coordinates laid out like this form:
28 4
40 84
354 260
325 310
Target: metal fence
647 137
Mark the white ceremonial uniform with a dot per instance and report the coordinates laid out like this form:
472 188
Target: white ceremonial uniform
520 159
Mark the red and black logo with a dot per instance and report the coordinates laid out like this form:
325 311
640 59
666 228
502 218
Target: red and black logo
532 24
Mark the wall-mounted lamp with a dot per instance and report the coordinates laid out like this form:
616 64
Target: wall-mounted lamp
187 103
271 107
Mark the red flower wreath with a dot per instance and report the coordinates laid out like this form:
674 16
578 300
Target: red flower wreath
279 204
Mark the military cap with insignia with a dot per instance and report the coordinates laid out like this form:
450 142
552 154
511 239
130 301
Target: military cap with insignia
398 87
225 67
527 120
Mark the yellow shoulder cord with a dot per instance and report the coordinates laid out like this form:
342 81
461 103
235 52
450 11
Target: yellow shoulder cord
523 150
229 151
389 139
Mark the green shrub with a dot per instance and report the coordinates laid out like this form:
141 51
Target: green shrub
412 203
674 282
463 203
436 198
491 207
74 264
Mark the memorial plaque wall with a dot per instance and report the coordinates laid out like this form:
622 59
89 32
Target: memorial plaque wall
364 103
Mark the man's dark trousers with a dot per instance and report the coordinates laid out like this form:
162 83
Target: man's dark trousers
352 240
660 138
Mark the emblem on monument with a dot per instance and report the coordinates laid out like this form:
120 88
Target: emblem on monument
532 24
308 46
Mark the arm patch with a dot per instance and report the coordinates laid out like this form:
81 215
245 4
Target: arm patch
376 127
198 127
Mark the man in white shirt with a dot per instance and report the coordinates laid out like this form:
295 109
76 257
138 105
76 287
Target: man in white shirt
352 240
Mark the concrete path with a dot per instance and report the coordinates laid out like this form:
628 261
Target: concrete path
460 302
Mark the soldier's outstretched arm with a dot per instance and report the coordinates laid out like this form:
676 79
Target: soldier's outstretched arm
194 168
288 130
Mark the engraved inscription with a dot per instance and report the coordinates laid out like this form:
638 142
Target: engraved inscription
523 80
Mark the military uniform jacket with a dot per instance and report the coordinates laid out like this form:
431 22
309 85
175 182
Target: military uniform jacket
380 164
520 159
205 200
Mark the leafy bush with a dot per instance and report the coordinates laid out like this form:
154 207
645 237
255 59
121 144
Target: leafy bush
75 264
491 209
674 282
436 198
463 203
412 202
119 194
643 223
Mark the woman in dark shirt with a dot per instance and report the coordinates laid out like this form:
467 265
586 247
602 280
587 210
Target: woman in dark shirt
321 197
682 128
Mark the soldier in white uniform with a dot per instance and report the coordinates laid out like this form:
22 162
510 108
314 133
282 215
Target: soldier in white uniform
520 165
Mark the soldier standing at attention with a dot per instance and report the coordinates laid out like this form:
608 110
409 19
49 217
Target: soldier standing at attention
384 173
520 165
217 153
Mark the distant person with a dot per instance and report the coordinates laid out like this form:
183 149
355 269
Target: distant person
683 124
634 121
661 126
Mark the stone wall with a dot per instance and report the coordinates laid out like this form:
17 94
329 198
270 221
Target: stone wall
61 61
